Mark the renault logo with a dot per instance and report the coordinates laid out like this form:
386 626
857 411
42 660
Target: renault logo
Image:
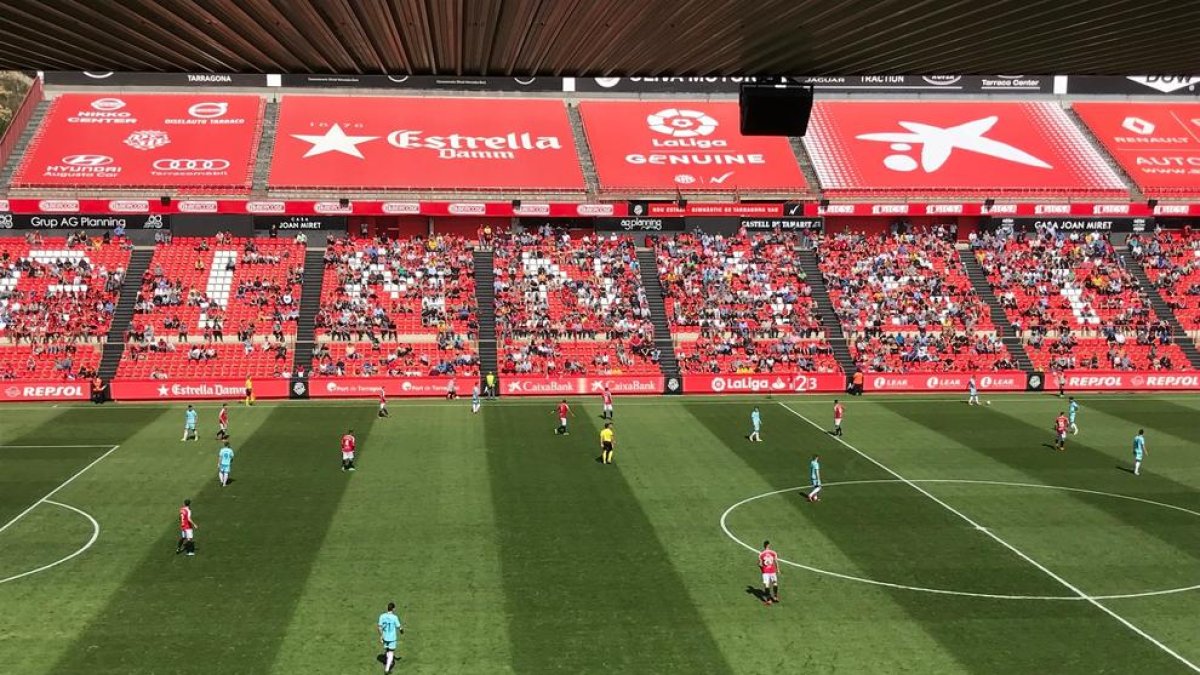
87 160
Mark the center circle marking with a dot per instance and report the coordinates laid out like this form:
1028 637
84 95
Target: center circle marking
947 591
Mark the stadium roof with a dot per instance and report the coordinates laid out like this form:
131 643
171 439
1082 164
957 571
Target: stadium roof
599 37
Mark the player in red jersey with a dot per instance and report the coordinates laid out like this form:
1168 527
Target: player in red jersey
186 529
383 411
563 411
223 423
838 413
768 562
1061 425
606 395
348 446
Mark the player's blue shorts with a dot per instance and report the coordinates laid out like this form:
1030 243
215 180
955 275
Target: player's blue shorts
1137 455
1071 418
224 468
389 645
756 426
815 483
190 426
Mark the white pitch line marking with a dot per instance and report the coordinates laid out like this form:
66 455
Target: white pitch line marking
62 485
946 591
996 538
78 552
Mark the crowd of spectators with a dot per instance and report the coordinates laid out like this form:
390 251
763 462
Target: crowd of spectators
1171 259
568 305
407 360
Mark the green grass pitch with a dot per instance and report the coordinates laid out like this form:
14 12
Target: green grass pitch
945 541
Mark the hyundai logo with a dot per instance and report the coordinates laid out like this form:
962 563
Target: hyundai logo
87 160
191 164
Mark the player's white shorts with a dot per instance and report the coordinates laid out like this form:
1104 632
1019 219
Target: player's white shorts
186 534
382 405
475 406
837 421
224 426
1062 436
770 578
562 421
607 407
347 455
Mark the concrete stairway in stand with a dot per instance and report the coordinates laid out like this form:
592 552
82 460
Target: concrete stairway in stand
648 264
829 320
586 163
266 147
114 345
485 298
310 305
27 134
1163 311
1000 320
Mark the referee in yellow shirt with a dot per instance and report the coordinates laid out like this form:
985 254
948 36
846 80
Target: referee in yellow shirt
606 443
249 391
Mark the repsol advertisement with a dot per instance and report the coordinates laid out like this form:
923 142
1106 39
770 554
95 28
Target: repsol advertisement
77 221
772 224
1077 224
638 224
293 223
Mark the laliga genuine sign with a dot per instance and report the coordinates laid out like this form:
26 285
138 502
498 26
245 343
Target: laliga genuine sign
686 146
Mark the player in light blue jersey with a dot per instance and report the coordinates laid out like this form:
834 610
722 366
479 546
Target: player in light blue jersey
1072 408
475 399
189 424
756 422
1139 451
390 629
972 392
814 477
224 463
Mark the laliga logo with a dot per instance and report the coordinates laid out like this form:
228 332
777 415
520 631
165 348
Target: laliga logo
718 384
681 123
107 104
209 110
938 143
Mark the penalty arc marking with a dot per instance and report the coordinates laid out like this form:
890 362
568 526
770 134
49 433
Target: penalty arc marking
78 552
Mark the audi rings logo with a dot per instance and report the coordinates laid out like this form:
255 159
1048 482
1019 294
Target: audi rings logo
681 123
87 160
209 109
189 165
107 104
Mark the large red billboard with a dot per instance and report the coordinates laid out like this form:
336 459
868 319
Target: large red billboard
196 389
765 383
580 386
684 146
1127 380
368 387
47 390
424 143
941 147
1002 380
122 140
1158 144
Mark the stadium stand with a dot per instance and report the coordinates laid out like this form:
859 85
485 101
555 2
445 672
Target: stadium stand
1171 259
741 304
1075 303
906 304
566 306
57 297
221 306
404 306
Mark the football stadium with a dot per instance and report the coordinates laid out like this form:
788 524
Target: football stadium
572 336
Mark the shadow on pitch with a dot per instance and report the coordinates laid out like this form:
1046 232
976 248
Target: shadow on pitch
1121 467
758 593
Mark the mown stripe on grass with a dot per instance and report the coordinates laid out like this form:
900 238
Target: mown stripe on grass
228 609
1028 448
904 537
1178 420
589 587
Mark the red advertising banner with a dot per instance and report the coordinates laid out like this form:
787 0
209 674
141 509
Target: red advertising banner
580 386
190 390
1004 380
365 387
51 390
1158 145
993 147
765 383
1099 380
686 146
96 141
424 143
